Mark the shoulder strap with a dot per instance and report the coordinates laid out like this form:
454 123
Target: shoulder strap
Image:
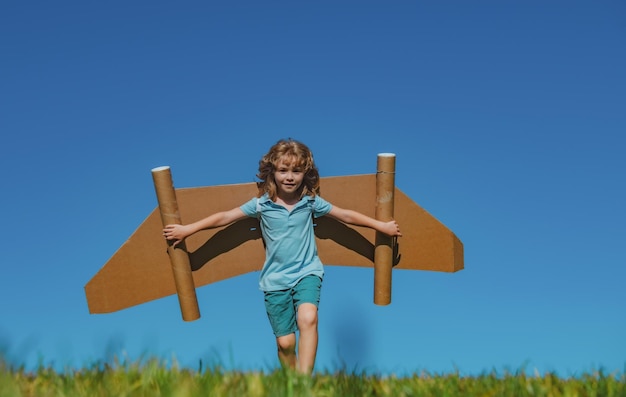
313 212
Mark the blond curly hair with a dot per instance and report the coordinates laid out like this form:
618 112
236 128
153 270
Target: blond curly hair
291 151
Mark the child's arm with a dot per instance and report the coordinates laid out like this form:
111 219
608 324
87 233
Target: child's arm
351 217
179 232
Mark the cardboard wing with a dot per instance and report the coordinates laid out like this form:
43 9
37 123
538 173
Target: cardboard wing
140 270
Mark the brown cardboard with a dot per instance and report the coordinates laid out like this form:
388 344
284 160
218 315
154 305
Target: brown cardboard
140 270
383 247
179 258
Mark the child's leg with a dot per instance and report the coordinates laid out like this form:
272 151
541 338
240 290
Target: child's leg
307 346
306 298
282 315
287 350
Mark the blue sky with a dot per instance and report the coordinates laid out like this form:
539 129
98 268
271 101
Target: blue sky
507 119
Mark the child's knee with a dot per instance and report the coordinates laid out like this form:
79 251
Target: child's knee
307 315
287 343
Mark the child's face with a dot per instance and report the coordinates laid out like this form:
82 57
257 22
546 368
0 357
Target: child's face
288 175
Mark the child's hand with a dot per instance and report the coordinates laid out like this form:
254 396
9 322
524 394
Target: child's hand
391 228
177 233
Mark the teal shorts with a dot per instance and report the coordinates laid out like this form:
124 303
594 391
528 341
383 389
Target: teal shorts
282 306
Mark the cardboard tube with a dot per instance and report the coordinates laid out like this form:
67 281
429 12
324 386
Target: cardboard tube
179 258
383 247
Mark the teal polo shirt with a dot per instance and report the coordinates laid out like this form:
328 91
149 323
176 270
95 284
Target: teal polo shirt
290 249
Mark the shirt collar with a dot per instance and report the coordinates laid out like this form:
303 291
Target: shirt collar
265 198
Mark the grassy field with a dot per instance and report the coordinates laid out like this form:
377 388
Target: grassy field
151 378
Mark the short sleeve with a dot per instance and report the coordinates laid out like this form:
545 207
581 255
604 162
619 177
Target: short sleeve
322 207
250 208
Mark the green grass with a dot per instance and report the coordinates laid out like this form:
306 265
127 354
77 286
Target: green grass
152 377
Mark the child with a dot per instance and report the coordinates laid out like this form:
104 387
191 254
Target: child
291 277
